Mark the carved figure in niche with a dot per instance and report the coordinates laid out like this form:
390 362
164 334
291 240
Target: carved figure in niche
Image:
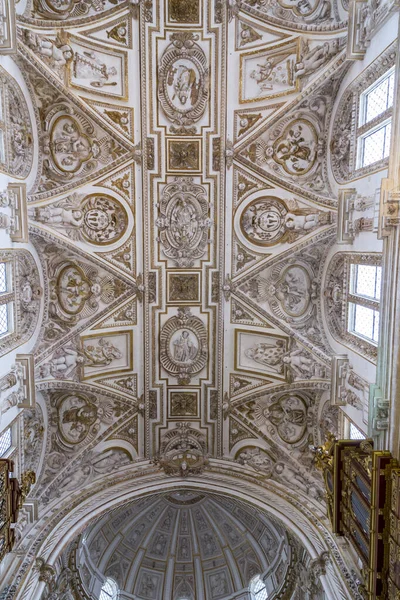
296 150
159 545
268 354
218 584
184 549
289 416
57 52
148 585
185 348
316 57
31 292
258 459
88 66
275 70
97 218
209 544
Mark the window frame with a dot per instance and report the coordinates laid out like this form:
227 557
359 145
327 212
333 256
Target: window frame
366 128
256 595
354 300
337 288
349 121
104 594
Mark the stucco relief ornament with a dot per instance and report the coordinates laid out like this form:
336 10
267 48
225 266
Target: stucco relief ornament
182 451
184 221
183 79
97 218
18 158
183 346
268 221
292 291
79 418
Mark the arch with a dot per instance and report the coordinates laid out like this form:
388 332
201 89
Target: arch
22 296
340 295
16 133
56 530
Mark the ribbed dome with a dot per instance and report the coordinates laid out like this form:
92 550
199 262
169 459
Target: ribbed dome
183 545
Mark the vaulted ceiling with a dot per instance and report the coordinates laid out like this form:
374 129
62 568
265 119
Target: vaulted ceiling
182 214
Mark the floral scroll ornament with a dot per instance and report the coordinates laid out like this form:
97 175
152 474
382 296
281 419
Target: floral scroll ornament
183 346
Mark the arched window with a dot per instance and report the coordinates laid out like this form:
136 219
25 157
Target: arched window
20 295
258 589
361 133
352 293
109 591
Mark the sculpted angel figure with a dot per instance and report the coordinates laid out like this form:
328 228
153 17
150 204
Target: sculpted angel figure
58 53
301 222
301 366
316 58
62 363
59 215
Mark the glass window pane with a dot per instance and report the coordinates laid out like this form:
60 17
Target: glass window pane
5 441
355 433
3 278
373 147
367 281
364 321
3 318
379 98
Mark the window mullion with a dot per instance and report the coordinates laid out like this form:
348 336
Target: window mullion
367 302
6 297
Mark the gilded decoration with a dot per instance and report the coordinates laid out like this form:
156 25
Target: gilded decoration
269 73
183 404
98 69
181 11
183 345
183 287
99 219
183 221
183 79
184 155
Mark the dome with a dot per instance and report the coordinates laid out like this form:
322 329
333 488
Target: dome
184 546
